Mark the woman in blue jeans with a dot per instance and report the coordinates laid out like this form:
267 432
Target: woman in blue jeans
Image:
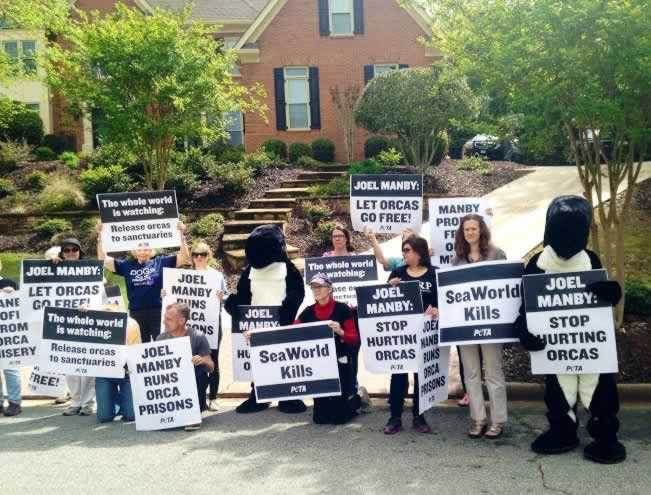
11 376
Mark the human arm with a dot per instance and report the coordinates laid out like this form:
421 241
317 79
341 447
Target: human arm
109 261
377 249
183 256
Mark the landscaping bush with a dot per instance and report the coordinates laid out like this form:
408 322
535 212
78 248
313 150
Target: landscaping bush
308 162
474 163
61 193
368 166
235 177
51 226
638 297
208 226
194 161
24 125
104 179
336 187
323 150
297 150
44 154
374 145
257 161
11 154
111 154
70 159
225 152
389 158
323 231
87 234
442 148
7 188
37 181
182 180
54 142
276 148
316 213
20 202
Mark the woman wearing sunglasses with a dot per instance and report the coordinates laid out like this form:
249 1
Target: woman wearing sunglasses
418 267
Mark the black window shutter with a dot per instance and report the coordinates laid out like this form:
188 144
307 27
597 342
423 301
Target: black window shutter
315 101
368 73
358 9
243 124
403 66
279 88
324 18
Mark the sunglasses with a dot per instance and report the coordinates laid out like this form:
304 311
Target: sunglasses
199 255
70 250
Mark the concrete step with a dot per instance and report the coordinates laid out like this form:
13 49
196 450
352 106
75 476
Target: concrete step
232 242
303 183
285 192
319 175
273 203
246 226
264 214
236 259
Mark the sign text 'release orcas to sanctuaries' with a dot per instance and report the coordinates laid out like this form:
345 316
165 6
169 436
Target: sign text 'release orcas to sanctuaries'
345 273
387 204
479 302
576 325
17 342
84 343
139 220
197 289
294 362
251 318
433 365
163 384
390 326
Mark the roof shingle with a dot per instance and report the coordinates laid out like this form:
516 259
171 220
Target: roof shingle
216 10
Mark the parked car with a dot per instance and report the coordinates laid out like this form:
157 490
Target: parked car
492 148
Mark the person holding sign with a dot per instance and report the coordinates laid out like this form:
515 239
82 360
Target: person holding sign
11 375
472 244
341 409
143 276
418 267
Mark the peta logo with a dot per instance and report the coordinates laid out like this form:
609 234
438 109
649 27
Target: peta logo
298 389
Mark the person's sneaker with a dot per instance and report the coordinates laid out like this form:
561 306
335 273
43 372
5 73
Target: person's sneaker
193 427
127 421
14 409
86 411
420 425
212 405
72 411
394 425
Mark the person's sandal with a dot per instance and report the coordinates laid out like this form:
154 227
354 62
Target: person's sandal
477 430
464 401
495 431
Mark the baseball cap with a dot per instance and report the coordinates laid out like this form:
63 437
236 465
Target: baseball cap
321 279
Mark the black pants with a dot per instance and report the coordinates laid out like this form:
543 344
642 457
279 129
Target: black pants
463 380
149 322
202 386
398 391
213 378
342 408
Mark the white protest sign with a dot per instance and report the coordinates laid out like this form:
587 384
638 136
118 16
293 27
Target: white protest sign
146 219
576 325
345 272
83 343
433 367
479 302
295 362
390 326
113 295
197 289
163 384
388 204
47 384
18 344
445 215
251 318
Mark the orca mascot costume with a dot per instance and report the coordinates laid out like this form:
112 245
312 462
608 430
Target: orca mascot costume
566 236
270 279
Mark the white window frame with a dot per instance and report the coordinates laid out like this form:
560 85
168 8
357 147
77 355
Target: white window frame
351 4
20 54
241 130
229 43
392 66
307 89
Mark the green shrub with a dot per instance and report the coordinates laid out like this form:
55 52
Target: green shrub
323 150
336 187
61 193
225 152
182 180
11 154
257 161
51 226
194 161
323 231
25 125
297 150
37 181
235 177
21 202
111 154
104 179
368 166
389 158
637 297
374 145
308 162
442 148
208 226
54 142
44 154
7 188
316 213
70 159
87 234
276 148
474 163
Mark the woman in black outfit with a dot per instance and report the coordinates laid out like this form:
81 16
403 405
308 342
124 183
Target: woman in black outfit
418 267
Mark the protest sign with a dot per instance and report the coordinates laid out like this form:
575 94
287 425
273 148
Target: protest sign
433 367
390 325
47 384
18 343
139 220
345 272
294 362
576 325
251 318
387 204
113 295
197 289
84 343
479 302
163 384
445 215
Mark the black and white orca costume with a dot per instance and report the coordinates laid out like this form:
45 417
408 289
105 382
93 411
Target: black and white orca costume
566 236
270 279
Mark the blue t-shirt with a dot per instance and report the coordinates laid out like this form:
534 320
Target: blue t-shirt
395 262
144 281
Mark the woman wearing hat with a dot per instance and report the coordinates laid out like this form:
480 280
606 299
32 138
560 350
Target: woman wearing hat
340 409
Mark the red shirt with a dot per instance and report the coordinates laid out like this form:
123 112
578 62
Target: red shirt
324 313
